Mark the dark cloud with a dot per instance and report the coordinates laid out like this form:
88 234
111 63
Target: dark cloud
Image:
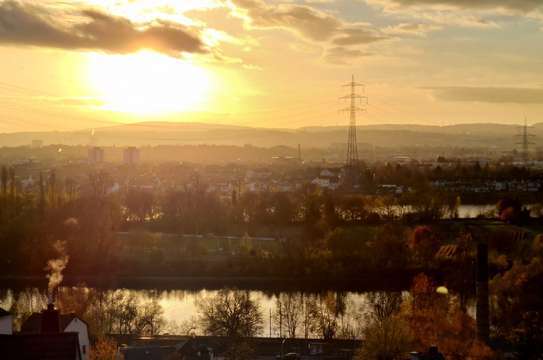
490 94
520 5
29 25
305 20
309 22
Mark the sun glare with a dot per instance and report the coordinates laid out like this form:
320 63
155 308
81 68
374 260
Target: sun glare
148 83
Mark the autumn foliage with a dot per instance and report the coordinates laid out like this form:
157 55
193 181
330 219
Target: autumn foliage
436 319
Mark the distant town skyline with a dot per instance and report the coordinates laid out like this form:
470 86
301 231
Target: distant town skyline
277 64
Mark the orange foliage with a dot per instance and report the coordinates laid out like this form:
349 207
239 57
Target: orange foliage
435 319
423 243
104 349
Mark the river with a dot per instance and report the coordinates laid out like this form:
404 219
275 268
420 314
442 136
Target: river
180 307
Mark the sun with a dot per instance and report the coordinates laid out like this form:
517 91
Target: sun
147 83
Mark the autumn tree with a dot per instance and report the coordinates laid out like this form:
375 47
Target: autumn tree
104 349
437 319
517 303
424 243
387 335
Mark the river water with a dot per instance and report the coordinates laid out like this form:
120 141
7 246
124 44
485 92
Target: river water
180 307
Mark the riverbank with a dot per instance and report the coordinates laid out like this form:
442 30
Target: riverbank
391 281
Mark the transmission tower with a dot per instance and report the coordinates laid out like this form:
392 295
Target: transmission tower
352 147
525 142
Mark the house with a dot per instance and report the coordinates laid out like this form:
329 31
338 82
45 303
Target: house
50 346
214 347
6 322
50 321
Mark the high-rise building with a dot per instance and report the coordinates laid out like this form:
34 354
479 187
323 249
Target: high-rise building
96 155
131 155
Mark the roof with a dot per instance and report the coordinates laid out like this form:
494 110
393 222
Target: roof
447 252
4 312
148 352
61 346
32 325
265 347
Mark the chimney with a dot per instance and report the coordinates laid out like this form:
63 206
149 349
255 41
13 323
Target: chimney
482 314
50 320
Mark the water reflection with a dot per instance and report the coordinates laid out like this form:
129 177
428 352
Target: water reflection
300 314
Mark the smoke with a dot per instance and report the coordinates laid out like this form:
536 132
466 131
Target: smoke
71 222
55 267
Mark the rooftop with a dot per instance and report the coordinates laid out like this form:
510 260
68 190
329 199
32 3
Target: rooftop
60 346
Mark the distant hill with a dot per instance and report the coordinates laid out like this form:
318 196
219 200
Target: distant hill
481 135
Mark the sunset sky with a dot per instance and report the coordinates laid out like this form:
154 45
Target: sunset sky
89 63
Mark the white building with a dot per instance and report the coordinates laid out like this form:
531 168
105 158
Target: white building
6 322
68 323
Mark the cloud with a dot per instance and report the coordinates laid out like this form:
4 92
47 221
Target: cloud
83 101
304 20
358 35
340 55
465 13
417 29
92 30
511 95
342 40
517 5
308 22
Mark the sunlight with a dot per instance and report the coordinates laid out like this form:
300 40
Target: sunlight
148 83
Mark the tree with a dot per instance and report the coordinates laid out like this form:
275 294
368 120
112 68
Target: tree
424 244
386 339
325 313
150 318
517 304
512 211
104 349
436 319
387 335
230 313
139 205
288 313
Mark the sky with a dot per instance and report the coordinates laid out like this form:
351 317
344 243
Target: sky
83 64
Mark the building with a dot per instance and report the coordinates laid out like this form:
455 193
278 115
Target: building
36 144
51 346
131 155
45 335
96 155
50 321
6 322
213 347
328 179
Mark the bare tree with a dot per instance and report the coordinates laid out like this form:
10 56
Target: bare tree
230 313
288 313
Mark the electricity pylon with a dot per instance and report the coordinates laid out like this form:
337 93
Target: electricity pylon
352 146
525 141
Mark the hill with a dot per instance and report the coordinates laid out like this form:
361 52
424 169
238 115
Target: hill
480 135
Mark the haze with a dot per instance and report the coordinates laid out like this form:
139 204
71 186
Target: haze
278 64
